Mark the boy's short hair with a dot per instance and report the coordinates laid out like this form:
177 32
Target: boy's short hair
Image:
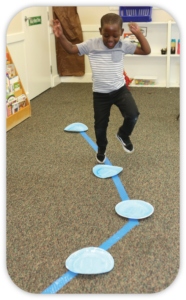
111 18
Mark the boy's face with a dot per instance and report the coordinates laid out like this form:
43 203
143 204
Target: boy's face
111 34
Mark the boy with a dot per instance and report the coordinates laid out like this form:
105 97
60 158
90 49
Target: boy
106 59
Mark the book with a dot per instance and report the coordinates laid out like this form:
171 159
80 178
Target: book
17 86
14 79
21 100
9 107
14 104
15 107
10 97
10 70
130 37
8 87
10 82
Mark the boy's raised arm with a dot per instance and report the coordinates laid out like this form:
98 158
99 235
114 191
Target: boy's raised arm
58 31
145 47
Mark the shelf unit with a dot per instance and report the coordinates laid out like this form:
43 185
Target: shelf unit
22 114
166 67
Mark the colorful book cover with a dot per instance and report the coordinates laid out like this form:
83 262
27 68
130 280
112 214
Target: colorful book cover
9 107
130 37
8 110
17 86
14 79
10 97
15 107
21 100
8 87
10 70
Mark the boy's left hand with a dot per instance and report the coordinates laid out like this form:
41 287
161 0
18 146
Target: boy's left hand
134 28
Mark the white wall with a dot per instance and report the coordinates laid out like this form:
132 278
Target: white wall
15 24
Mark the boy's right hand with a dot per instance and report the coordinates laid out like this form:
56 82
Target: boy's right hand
57 29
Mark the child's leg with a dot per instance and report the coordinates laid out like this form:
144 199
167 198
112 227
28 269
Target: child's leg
129 111
102 107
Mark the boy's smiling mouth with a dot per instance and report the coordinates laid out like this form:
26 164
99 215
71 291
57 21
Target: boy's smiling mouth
110 45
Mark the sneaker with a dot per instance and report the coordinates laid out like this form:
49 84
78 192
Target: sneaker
126 143
100 156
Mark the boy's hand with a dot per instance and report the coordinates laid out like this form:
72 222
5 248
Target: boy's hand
145 47
57 29
134 28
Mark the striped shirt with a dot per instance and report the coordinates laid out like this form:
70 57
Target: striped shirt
106 64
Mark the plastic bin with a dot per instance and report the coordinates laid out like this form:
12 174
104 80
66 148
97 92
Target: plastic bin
145 80
135 13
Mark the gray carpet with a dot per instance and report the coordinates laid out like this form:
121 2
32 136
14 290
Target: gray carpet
55 204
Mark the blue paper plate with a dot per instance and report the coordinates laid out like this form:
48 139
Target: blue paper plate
105 171
134 209
90 260
76 127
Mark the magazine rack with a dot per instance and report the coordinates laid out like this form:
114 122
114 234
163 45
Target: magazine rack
25 112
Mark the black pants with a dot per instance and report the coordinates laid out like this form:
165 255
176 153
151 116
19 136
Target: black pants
123 99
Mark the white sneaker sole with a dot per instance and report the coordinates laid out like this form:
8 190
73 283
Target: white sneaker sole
100 162
123 145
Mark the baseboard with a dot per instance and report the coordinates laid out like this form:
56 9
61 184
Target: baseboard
59 79
85 78
56 80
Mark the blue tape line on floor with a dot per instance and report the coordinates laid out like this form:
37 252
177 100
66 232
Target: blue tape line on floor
60 282
63 280
115 178
118 235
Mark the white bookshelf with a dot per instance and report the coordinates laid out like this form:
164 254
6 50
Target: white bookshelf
166 67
